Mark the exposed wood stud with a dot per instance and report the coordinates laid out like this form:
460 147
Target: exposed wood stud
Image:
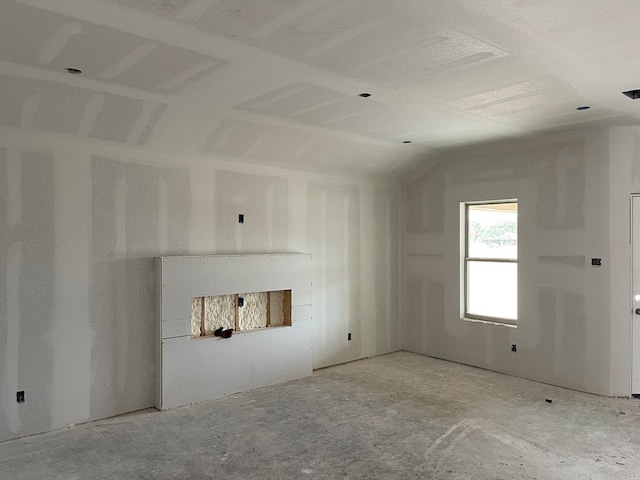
268 309
287 307
237 326
203 332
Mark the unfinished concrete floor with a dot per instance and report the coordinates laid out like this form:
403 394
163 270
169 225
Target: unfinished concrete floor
397 416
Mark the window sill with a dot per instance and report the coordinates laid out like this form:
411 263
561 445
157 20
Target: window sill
495 322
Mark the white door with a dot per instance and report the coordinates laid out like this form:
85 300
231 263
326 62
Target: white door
635 367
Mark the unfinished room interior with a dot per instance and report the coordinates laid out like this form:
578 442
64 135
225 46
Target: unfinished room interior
288 239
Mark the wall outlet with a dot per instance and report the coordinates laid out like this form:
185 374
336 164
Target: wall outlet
20 396
514 348
241 218
349 336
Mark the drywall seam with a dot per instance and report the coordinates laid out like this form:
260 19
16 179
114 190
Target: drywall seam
72 338
195 10
128 61
92 110
11 137
147 113
163 216
29 111
14 188
346 258
121 288
389 275
298 12
571 260
323 260
14 269
58 41
202 232
270 194
185 76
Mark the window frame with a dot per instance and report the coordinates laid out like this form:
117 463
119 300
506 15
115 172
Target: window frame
466 260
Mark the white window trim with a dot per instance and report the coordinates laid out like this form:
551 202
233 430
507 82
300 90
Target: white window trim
464 248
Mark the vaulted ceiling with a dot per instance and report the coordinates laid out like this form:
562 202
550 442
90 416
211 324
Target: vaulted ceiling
277 82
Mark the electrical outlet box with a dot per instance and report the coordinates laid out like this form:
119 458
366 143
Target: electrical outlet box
20 396
241 218
514 348
240 301
349 336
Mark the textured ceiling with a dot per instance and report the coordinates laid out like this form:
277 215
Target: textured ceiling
276 82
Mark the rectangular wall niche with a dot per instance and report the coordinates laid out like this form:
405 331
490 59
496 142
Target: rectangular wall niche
241 312
268 296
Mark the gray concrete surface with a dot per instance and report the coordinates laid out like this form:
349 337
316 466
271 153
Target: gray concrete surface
397 416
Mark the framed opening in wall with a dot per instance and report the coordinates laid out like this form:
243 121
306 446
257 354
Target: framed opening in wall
240 312
490 262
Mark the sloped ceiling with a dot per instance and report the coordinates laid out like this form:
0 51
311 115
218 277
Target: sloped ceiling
277 82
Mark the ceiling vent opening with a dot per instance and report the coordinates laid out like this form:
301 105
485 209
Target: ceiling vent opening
632 94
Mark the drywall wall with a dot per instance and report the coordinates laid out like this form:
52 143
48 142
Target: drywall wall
563 330
80 224
624 180
200 369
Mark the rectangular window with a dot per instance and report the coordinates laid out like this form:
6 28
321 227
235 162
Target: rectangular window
491 261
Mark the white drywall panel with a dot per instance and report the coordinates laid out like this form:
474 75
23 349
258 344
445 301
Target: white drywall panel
624 180
194 370
187 277
212 367
301 312
180 327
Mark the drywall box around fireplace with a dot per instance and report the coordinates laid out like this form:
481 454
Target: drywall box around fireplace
192 369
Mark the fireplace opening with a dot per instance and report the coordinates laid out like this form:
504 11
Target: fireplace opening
240 312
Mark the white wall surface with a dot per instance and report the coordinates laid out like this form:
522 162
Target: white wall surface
624 180
562 187
80 223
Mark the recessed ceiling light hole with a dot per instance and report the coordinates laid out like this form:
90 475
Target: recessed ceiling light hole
407 141
632 94
364 95
73 71
583 107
